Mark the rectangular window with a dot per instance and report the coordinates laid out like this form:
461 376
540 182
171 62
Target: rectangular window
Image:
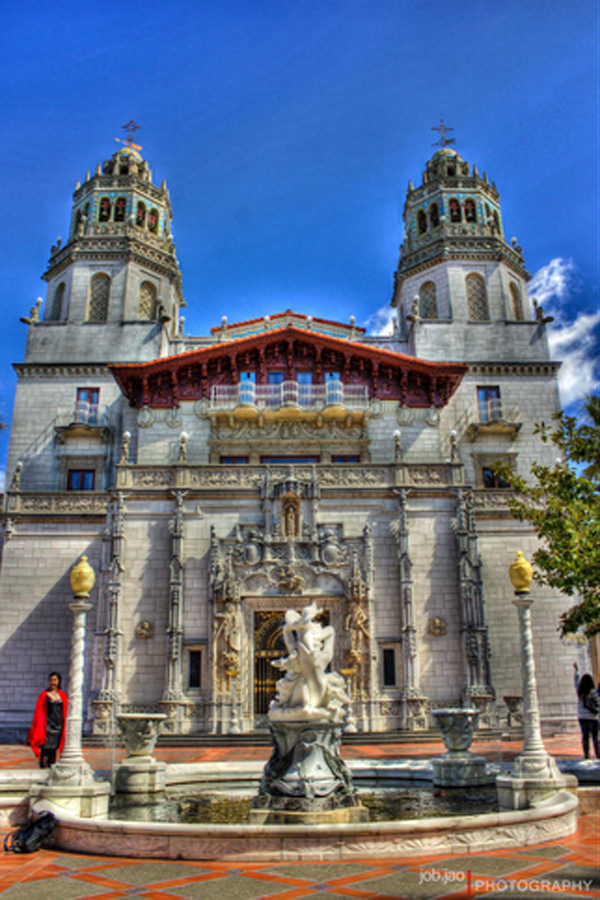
332 376
289 459
80 480
275 377
304 377
194 669
86 405
490 407
491 480
345 459
389 667
248 376
233 460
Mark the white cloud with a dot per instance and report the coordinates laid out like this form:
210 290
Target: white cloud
552 284
381 323
573 336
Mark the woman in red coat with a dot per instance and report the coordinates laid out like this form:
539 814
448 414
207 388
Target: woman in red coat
47 733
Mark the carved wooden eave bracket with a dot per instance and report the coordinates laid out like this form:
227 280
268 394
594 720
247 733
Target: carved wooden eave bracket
383 374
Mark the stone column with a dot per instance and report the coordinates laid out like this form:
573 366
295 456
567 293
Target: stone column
174 697
478 690
414 704
71 782
535 774
72 767
109 696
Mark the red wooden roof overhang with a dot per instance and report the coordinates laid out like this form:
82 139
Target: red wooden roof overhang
165 382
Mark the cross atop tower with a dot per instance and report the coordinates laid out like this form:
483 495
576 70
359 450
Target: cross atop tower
130 128
442 128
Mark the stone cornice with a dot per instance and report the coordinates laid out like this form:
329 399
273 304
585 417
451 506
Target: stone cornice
518 369
61 370
423 258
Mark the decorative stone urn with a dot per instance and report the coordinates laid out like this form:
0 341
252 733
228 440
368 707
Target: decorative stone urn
458 767
140 773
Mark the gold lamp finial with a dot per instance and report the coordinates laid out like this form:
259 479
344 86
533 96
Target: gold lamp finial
82 578
521 574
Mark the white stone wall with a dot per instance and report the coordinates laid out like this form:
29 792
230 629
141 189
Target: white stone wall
35 619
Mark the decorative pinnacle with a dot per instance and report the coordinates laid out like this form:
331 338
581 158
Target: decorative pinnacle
442 128
130 127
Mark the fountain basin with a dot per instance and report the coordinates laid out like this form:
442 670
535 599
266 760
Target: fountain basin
548 820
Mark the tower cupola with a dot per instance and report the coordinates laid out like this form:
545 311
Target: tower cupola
119 266
456 267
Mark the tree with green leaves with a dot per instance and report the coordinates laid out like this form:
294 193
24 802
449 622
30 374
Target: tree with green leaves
562 503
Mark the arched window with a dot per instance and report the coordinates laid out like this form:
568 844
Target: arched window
140 216
427 301
477 303
454 207
470 214
104 211
422 221
98 302
54 312
120 209
517 302
147 304
153 219
434 216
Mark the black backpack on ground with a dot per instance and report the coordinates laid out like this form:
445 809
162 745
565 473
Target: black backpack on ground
31 836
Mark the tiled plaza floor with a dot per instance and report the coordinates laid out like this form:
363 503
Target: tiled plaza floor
566 868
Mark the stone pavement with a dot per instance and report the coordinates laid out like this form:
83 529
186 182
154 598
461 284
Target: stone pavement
567 868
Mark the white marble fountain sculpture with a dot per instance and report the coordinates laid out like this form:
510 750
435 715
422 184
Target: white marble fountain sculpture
305 780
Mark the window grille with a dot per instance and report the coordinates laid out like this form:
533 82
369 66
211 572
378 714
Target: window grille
477 302
98 305
147 308
427 301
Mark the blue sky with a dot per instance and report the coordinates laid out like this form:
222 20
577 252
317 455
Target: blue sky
287 133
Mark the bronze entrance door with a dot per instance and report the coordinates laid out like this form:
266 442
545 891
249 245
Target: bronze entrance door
268 645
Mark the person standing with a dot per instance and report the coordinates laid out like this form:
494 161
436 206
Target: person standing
46 736
587 711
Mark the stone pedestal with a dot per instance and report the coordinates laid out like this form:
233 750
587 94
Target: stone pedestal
86 801
139 772
305 781
460 770
458 767
139 775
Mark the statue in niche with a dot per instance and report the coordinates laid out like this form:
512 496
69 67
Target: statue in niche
356 624
229 630
291 517
308 692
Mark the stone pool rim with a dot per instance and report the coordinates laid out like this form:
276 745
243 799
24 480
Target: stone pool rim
547 820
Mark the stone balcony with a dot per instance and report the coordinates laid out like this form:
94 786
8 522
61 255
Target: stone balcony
290 401
493 417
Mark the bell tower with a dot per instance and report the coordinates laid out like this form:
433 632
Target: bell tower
114 287
459 282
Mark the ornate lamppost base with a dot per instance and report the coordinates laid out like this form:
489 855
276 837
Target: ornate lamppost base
534 777
86 801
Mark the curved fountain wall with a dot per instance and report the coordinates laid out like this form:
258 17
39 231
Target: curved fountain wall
548 820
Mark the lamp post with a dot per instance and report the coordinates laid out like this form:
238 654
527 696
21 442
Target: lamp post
535 774
72 767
